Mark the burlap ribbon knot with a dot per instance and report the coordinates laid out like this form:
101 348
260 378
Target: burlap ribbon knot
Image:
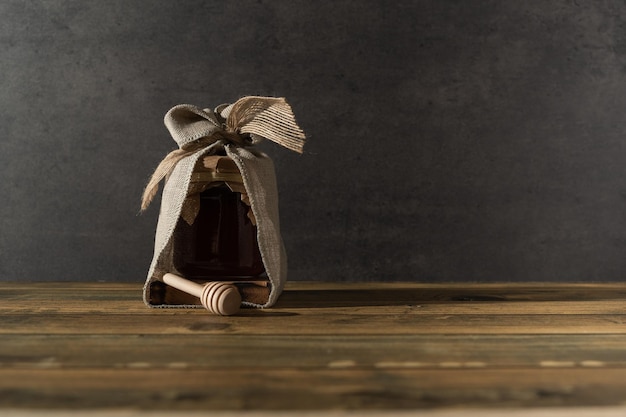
245 122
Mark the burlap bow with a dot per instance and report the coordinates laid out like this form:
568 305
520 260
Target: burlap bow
242 123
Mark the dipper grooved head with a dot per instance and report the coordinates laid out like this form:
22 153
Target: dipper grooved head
221 298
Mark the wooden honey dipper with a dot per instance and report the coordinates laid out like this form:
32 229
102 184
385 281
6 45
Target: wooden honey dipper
220 298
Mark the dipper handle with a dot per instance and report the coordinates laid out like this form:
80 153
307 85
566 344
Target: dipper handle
183 284
218 297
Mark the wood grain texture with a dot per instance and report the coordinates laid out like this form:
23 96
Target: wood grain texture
323 347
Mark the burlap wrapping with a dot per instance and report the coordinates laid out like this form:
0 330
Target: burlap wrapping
200 132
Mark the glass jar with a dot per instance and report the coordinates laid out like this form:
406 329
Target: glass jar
221 242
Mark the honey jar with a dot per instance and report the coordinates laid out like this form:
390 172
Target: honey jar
218 240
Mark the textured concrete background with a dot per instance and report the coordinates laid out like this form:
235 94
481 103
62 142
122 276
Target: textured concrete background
449 140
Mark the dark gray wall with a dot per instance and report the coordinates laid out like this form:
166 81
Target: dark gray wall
449 140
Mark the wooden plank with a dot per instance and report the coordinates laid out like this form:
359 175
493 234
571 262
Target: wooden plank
293 389
327 294
602 411
463 412
70 308
332 351
136 307
454 298
312 323
362 294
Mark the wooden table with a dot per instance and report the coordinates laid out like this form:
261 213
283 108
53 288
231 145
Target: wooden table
325 347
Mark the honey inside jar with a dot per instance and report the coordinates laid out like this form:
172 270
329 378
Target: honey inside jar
221 242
